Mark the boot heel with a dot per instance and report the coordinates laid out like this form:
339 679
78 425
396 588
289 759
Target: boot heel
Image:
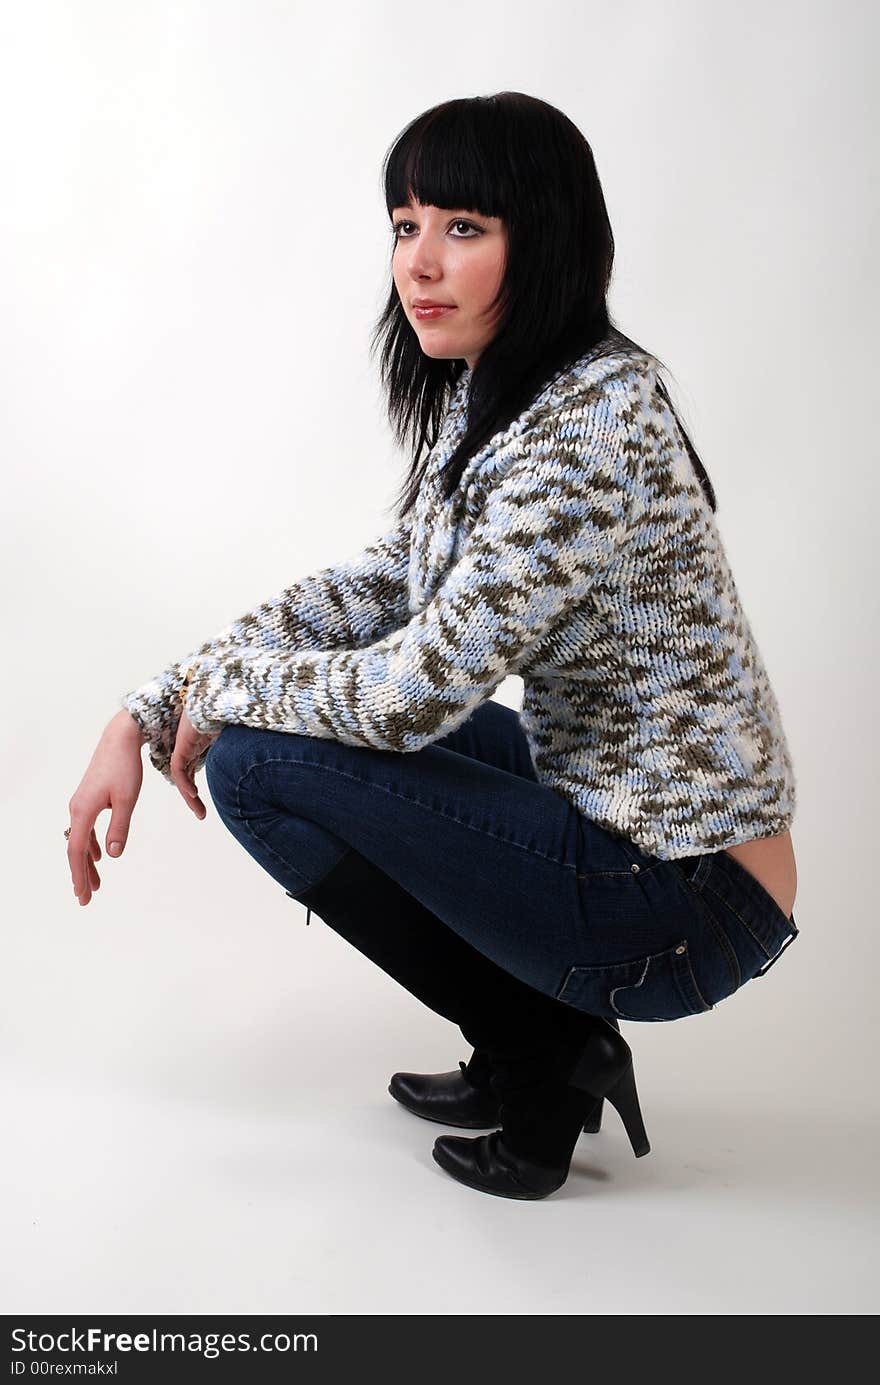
625 1100
604 1068
593 1123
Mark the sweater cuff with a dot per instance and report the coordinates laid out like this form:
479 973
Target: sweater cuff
189 702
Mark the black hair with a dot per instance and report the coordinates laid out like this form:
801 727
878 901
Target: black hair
512 156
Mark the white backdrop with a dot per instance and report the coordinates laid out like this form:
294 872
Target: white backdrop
194 250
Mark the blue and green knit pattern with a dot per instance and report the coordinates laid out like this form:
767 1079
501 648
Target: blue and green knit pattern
578 552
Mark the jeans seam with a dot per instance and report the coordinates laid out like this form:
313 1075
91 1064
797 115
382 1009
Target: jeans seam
356 779
693 978
249 825
749 929
724 942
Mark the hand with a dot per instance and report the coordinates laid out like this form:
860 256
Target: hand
189 745
113 780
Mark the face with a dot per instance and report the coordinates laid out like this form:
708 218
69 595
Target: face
454 257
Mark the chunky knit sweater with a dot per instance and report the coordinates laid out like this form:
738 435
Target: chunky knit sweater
579 552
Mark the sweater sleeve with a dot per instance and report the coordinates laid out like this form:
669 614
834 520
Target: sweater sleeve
345 606
547 529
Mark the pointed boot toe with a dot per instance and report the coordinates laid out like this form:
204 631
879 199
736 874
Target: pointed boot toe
484 1163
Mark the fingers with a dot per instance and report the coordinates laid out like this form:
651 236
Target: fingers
77 850
191 796
189 746
81 860
83 847
91 878
183 776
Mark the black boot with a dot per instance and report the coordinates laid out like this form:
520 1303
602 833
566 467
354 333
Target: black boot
387 924
544 1098
452 1098
465 1097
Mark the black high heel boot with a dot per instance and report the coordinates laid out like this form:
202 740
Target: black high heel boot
464 1098
387 924
542 1107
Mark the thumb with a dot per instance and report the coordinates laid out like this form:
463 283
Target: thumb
117 835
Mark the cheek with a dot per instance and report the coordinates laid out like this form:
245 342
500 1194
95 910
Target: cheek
484 280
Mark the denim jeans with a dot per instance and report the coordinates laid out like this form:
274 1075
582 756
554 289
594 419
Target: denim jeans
504 863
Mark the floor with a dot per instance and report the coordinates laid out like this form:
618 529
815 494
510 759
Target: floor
206 1138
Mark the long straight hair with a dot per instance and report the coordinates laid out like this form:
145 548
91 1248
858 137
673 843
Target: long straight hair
512 156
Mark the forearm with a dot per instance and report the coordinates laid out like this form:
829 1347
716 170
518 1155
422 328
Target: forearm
345 606
550 525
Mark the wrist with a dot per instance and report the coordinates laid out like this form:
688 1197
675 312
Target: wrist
126 725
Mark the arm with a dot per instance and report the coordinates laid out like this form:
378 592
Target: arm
549 526
344 606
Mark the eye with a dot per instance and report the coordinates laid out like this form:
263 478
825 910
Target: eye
459 221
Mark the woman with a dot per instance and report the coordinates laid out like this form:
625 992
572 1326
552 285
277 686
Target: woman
621 847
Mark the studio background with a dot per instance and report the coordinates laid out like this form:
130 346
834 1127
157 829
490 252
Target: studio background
195 250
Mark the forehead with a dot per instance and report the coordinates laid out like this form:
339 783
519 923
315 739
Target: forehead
430 206
442 211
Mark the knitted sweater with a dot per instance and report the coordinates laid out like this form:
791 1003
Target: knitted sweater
578 552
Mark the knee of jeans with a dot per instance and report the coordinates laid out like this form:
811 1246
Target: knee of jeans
224 765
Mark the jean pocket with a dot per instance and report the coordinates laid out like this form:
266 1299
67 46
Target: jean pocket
661 986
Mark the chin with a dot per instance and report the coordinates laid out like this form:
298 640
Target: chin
432 345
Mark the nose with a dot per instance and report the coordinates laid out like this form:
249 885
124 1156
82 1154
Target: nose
423 267
423 260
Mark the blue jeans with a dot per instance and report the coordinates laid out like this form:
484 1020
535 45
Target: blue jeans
493 862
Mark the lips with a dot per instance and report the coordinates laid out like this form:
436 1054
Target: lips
431 313
430 303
